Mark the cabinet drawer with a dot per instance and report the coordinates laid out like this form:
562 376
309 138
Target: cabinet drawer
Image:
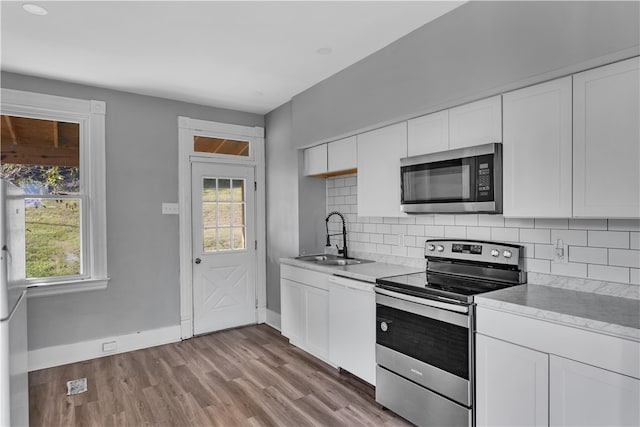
304 276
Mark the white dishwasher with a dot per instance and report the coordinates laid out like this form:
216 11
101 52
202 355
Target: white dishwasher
352 327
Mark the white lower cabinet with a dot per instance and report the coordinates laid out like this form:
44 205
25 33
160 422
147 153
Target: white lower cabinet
583 395
512 384
352 327
532 372
304 306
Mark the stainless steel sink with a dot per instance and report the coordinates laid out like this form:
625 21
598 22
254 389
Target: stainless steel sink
330 259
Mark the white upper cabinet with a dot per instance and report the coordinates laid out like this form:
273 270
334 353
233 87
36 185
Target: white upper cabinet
342 155
537 151
476 123
379 154
606 141
428 134
315 160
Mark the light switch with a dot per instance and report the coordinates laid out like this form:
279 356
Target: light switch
170 209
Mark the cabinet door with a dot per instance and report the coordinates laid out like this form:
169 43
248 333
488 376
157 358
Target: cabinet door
584 395
511 384
428 134
476 123
379 153
293 312
537 151
317 322
342 155
315 160
606 141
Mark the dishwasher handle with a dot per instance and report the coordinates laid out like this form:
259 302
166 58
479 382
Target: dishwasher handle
351 283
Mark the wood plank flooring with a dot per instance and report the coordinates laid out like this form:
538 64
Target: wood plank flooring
249 376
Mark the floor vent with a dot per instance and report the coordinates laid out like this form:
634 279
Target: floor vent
76 386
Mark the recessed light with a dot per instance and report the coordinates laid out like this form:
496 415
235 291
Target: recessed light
324 51
34 9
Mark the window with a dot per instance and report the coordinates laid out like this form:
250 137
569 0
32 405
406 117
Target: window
223 214
53 148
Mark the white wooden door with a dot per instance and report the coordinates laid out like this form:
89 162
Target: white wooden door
428 134
317 321
224 255
537 151
379 154
583 395
511 384
292 307
342 154
606 141
476 123
315 160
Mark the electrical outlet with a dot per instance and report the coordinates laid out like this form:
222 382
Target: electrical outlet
560 252
170 209
109 347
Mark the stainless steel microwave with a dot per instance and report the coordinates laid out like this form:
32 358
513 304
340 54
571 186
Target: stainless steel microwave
463 180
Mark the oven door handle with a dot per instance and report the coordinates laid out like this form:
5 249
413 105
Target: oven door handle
423 301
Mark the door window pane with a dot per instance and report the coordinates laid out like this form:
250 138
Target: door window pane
223 214
230 147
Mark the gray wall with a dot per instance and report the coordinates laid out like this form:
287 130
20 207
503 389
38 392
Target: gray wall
476 50
142 244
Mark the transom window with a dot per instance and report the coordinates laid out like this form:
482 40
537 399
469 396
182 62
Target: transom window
223 214
230 147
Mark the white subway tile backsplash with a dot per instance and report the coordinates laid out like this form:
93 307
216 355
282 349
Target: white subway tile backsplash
535 235
608 273
468 219
599 249
479 233
455 232
505 234
415 230
544 251
518 222
624 224
443 219
624 258
609 239
587 224
569 237
434 230
570 269
424 219
588 255
551 223
491 220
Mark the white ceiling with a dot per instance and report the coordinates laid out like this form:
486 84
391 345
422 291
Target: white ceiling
248 56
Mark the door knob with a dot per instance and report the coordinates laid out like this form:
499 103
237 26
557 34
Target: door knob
198 260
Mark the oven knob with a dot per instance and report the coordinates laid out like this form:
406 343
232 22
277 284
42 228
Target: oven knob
431 248
384 327
495 253
440 248
506 254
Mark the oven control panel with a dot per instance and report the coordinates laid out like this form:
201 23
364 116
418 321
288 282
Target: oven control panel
493 252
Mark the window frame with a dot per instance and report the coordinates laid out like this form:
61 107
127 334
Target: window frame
90 115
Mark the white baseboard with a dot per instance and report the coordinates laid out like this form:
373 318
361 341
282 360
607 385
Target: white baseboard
273 319
69 353
262 315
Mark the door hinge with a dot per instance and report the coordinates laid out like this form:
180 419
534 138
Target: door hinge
256 244
255 185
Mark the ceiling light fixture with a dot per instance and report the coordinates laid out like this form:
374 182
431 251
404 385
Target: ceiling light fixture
34 9
324 51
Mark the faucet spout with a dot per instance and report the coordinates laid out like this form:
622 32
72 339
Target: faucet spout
342 251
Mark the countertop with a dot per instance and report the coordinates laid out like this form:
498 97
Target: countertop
367 272
599 313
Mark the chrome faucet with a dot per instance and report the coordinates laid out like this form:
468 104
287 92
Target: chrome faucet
342 251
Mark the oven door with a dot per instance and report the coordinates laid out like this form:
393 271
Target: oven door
426 342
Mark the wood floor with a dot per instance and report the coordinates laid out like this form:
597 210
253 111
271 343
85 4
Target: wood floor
249 376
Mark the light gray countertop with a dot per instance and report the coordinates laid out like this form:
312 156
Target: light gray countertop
599 313
367 272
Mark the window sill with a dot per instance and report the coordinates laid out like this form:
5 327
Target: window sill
67 287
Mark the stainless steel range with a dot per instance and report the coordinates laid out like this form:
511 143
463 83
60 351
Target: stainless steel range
425 322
